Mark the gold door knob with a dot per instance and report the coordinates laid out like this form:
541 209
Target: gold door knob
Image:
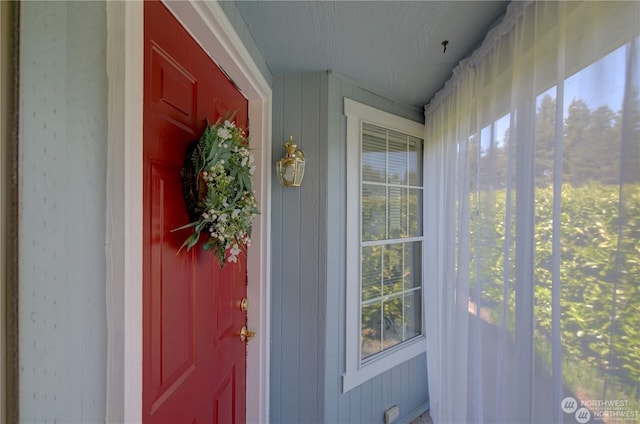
246 335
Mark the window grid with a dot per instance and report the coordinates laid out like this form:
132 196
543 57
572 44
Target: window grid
363 258
388 241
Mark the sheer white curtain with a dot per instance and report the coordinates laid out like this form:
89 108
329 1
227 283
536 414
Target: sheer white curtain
533 220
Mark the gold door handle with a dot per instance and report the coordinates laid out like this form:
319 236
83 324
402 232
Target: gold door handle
246 335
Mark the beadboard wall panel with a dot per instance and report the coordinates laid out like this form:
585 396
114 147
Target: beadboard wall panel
406 384
298 243
308 265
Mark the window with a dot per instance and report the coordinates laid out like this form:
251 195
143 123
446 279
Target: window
384 242
533 183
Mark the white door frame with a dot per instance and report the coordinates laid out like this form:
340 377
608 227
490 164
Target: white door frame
210 27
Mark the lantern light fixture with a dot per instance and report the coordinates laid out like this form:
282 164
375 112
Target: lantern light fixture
291 166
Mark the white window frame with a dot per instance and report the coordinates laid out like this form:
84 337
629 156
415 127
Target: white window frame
356 371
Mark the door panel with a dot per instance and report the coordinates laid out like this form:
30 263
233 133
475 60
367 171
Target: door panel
172 284
173 90
194 364
223 399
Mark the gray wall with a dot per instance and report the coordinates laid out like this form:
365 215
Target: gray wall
62 314
298 253
308 267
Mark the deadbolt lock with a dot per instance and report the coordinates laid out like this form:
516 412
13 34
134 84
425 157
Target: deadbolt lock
244 304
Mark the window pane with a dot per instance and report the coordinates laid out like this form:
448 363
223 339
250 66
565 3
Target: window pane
412 265
397 212
413 314
415 212
392 326
391 210
397 158
393 257
415 161
374 212
600 229
371 330
371 272
374 153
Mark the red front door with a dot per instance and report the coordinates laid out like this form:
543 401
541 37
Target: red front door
194 363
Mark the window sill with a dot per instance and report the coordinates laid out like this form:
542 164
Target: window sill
383 362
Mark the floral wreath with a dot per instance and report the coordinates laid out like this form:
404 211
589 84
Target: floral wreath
217 189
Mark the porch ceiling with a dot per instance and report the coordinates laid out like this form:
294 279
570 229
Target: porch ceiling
392 47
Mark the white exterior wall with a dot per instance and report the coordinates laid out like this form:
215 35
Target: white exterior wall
63 92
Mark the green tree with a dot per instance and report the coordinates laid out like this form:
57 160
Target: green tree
545 141
600 244
575 129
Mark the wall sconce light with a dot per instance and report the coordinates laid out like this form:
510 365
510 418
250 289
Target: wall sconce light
291 166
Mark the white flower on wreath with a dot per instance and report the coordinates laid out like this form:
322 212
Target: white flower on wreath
233 253
224 133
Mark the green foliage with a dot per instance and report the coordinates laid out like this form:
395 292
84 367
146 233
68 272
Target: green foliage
599 275
224 165
599 272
